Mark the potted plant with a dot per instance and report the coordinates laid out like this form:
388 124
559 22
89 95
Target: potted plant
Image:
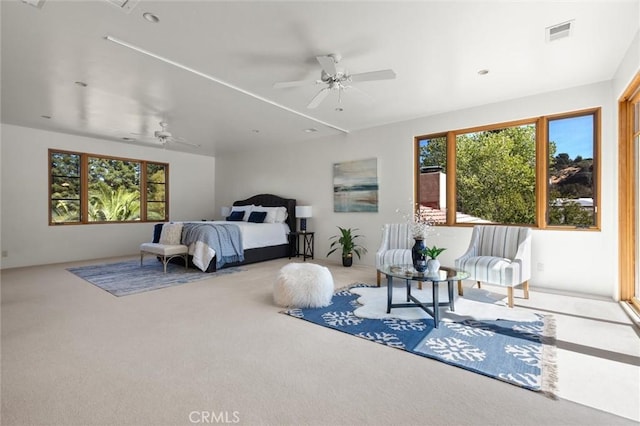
433 264
347 241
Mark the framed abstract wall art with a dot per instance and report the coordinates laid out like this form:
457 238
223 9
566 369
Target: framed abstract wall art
355 186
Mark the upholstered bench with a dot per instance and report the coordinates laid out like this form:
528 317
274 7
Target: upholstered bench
166 244
165 251
303 285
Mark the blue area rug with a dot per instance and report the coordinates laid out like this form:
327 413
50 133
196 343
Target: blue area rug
128 277
518 352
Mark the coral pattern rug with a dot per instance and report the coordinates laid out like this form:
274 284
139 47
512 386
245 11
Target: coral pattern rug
502 343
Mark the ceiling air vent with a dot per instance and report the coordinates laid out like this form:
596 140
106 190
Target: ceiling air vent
125 5
556 32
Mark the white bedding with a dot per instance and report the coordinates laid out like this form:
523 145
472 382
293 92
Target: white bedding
254 235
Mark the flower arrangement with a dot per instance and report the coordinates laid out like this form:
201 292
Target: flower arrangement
420 223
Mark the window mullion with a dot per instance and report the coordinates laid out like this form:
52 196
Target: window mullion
143 191
542 170
84 188
451 178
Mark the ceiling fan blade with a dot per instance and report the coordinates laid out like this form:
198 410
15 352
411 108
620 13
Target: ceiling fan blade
285 84
328 64
373 75
318 98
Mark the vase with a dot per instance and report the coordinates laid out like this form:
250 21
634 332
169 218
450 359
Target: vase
433 266
419 260
347 260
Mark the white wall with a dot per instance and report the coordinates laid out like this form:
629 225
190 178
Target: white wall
573 261
26 234
629 66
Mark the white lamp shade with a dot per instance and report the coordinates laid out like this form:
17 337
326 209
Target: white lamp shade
303 211
225 211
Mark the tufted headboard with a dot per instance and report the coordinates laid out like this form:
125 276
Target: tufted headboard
270 200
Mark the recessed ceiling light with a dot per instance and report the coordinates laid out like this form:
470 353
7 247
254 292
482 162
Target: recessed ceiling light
483 72
310 130
151 17
81 83
48 117
255 131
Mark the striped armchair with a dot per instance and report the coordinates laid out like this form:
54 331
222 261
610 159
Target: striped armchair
498 255
395 247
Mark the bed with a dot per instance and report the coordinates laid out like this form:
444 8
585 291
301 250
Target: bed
260 246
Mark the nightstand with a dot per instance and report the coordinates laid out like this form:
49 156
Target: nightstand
307 244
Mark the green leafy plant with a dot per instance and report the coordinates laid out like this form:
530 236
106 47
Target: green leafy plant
432 252
347 241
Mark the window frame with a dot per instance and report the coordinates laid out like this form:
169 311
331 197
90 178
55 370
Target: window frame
84 188
541 168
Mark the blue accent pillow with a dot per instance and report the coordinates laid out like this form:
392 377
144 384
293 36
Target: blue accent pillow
236 216
257 217
157 230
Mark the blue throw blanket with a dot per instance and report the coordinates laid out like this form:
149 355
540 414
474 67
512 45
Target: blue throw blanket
224 239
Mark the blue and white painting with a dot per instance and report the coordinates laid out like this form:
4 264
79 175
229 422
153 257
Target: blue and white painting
355 186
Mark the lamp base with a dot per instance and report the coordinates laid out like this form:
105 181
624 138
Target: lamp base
303 224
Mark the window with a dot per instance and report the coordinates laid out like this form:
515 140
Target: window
495 175
432 183
512 173
571 170
65 187
86 188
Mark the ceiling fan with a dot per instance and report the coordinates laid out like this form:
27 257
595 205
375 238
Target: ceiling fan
335 79
164 137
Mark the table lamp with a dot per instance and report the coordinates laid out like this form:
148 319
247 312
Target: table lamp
303 212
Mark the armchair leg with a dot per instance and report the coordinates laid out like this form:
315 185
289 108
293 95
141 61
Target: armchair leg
525 287
479 285
460 288
510 296
378 278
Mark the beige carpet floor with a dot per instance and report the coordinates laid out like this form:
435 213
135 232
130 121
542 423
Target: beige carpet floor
217 351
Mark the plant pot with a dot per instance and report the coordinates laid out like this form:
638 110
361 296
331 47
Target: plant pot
347 260
433 266
419 259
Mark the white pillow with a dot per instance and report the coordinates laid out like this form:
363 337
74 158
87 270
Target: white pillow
246 209
271 213
281 215
171 234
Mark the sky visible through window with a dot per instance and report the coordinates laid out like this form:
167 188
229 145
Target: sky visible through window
573 136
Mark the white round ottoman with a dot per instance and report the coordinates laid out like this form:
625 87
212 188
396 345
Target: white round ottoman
303 285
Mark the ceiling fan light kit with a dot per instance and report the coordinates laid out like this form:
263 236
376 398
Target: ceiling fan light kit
335 79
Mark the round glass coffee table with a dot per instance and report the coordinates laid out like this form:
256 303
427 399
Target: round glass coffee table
409 274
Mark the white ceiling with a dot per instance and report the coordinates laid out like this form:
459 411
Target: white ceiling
436 49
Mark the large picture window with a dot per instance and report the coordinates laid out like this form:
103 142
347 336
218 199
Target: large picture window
539 172
87 188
